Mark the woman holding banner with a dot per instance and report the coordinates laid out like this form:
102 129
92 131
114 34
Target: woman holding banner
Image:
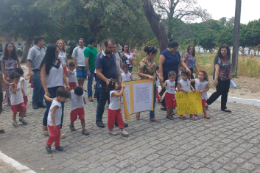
147 70
170 59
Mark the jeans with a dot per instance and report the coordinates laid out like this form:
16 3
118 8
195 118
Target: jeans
90 82
52 92
222 89
96 91
38 91
102 99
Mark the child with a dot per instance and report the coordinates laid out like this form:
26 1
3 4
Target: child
185 86
23 86
126 76
170 86
17 102
132 52
72 77
77 108
202 85
114 111
157 84
54 118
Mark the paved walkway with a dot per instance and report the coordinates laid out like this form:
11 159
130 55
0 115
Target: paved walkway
225 143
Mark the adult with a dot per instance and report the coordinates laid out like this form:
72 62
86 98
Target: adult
127 58
63 55
80 64
52 77
147 70
119 63
169 60
222 74
189 59
34 59
90 54
9 62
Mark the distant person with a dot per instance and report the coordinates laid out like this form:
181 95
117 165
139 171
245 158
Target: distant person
127 56
126 75
63 55
72 76
34 60
119 63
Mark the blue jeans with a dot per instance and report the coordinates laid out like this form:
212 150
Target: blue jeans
152 115
96 91
102 99
38 91
90 82
52 92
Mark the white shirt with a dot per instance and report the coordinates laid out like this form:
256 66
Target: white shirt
62 57
72 77
126 76
17 98
128 57
77 101
114 101
201 86
24 85
170 87
55 77
78 53
57 114
185 84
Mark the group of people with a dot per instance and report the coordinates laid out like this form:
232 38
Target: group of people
54 78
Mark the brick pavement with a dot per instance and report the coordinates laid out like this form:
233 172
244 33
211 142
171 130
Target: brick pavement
225 143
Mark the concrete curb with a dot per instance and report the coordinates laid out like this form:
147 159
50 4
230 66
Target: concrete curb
14 164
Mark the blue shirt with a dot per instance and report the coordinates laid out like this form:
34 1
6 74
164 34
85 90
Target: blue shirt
171 62
108 66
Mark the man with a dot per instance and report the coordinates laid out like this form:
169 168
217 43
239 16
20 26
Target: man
90 57
34 60
79 60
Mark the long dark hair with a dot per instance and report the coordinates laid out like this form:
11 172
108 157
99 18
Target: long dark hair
111 85
172 43
149 49
124 47
13 53
49 57
228 51
188 50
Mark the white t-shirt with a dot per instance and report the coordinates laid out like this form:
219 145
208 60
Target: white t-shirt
72 77
170 87
17 98
185 84
57 114
62 57
114 101
77 101
55 77
24 85
126 76
78 53
201 86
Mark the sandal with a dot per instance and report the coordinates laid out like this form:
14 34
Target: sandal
170 117
2 131
206 116
72 128
137 116
85 132
193 117
154 120
182 117
226 110
164 109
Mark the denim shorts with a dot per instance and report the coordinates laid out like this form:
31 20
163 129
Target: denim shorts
81 73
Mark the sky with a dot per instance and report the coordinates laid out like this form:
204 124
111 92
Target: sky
226 8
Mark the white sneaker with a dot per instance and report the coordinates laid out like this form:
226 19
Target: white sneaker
112 132
124 133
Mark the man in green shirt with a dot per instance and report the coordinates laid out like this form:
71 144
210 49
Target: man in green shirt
90 54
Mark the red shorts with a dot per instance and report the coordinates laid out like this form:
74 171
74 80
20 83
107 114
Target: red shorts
204 102
65 70
20 107
72 85
170 101
25 100
75 112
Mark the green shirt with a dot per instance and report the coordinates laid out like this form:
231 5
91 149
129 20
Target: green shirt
91 53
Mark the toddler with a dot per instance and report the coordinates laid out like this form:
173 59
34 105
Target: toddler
72 77
126 75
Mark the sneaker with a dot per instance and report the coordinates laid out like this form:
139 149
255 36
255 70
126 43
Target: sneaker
112 132
124 133
90 99
15 124
22 121
59 148
48 149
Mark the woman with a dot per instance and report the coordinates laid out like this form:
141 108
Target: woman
170 59
147 70
9 62
222 74
189 59
52 77
63 55
127 58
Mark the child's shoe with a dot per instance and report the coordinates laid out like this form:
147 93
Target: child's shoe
48 149
124 133
15 124
59 148
206 116
22 121
112 132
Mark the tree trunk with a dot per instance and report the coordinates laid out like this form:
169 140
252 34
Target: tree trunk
26 50
159 28
170 25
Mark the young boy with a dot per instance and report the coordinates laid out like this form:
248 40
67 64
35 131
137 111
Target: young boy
77 108
17 102
54 118
72 77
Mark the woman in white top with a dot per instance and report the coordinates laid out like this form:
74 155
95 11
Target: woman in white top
52 77
127 58
63 55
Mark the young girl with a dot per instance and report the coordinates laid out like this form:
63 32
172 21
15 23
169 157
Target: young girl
202 85
170 101
54 118
126 75
158 84
72 77
184 85
114 111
